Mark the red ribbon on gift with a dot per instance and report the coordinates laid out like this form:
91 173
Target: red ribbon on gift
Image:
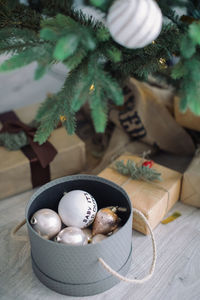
39 156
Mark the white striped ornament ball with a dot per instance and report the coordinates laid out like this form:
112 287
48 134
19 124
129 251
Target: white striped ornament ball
134 23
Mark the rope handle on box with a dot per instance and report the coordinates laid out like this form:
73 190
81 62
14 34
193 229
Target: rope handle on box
23 238
104 264
146 278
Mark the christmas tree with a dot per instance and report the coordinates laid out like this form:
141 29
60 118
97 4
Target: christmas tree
52 31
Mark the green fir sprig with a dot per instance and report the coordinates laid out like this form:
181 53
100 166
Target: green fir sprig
13 141
137 172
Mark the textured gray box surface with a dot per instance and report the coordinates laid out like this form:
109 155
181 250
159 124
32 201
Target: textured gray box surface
75 270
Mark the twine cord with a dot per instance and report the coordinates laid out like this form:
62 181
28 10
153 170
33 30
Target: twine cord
145 155
146 278
165 190
24 252
104 264
23 238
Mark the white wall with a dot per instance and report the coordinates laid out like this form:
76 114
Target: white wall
18 88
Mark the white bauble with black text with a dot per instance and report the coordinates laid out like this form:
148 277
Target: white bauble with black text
134 23
77 208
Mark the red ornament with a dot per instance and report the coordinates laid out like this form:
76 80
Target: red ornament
148 163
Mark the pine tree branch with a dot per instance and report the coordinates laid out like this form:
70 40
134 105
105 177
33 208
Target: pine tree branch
137 172
20 16
57 106
171 15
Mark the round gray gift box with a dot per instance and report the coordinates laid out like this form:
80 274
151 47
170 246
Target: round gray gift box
76 270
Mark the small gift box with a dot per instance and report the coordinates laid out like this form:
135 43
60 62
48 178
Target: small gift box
154 199
35 165
190 193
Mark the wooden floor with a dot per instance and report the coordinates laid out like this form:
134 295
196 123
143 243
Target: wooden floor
177 274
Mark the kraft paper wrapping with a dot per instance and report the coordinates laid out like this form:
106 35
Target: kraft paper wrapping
150 198
190 193
187 119
15 175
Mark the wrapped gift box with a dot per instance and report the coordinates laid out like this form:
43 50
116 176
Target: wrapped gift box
15 171
187 119
153 199
190 193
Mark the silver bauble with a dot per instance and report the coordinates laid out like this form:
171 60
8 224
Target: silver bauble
77 208
88 233
134 23
46 222
72 236
98 238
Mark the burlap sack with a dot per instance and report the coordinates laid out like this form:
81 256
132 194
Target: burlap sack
119 143
146 117
101 149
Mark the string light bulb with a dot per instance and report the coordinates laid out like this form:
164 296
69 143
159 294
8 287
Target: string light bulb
163 63
92 88
63 118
